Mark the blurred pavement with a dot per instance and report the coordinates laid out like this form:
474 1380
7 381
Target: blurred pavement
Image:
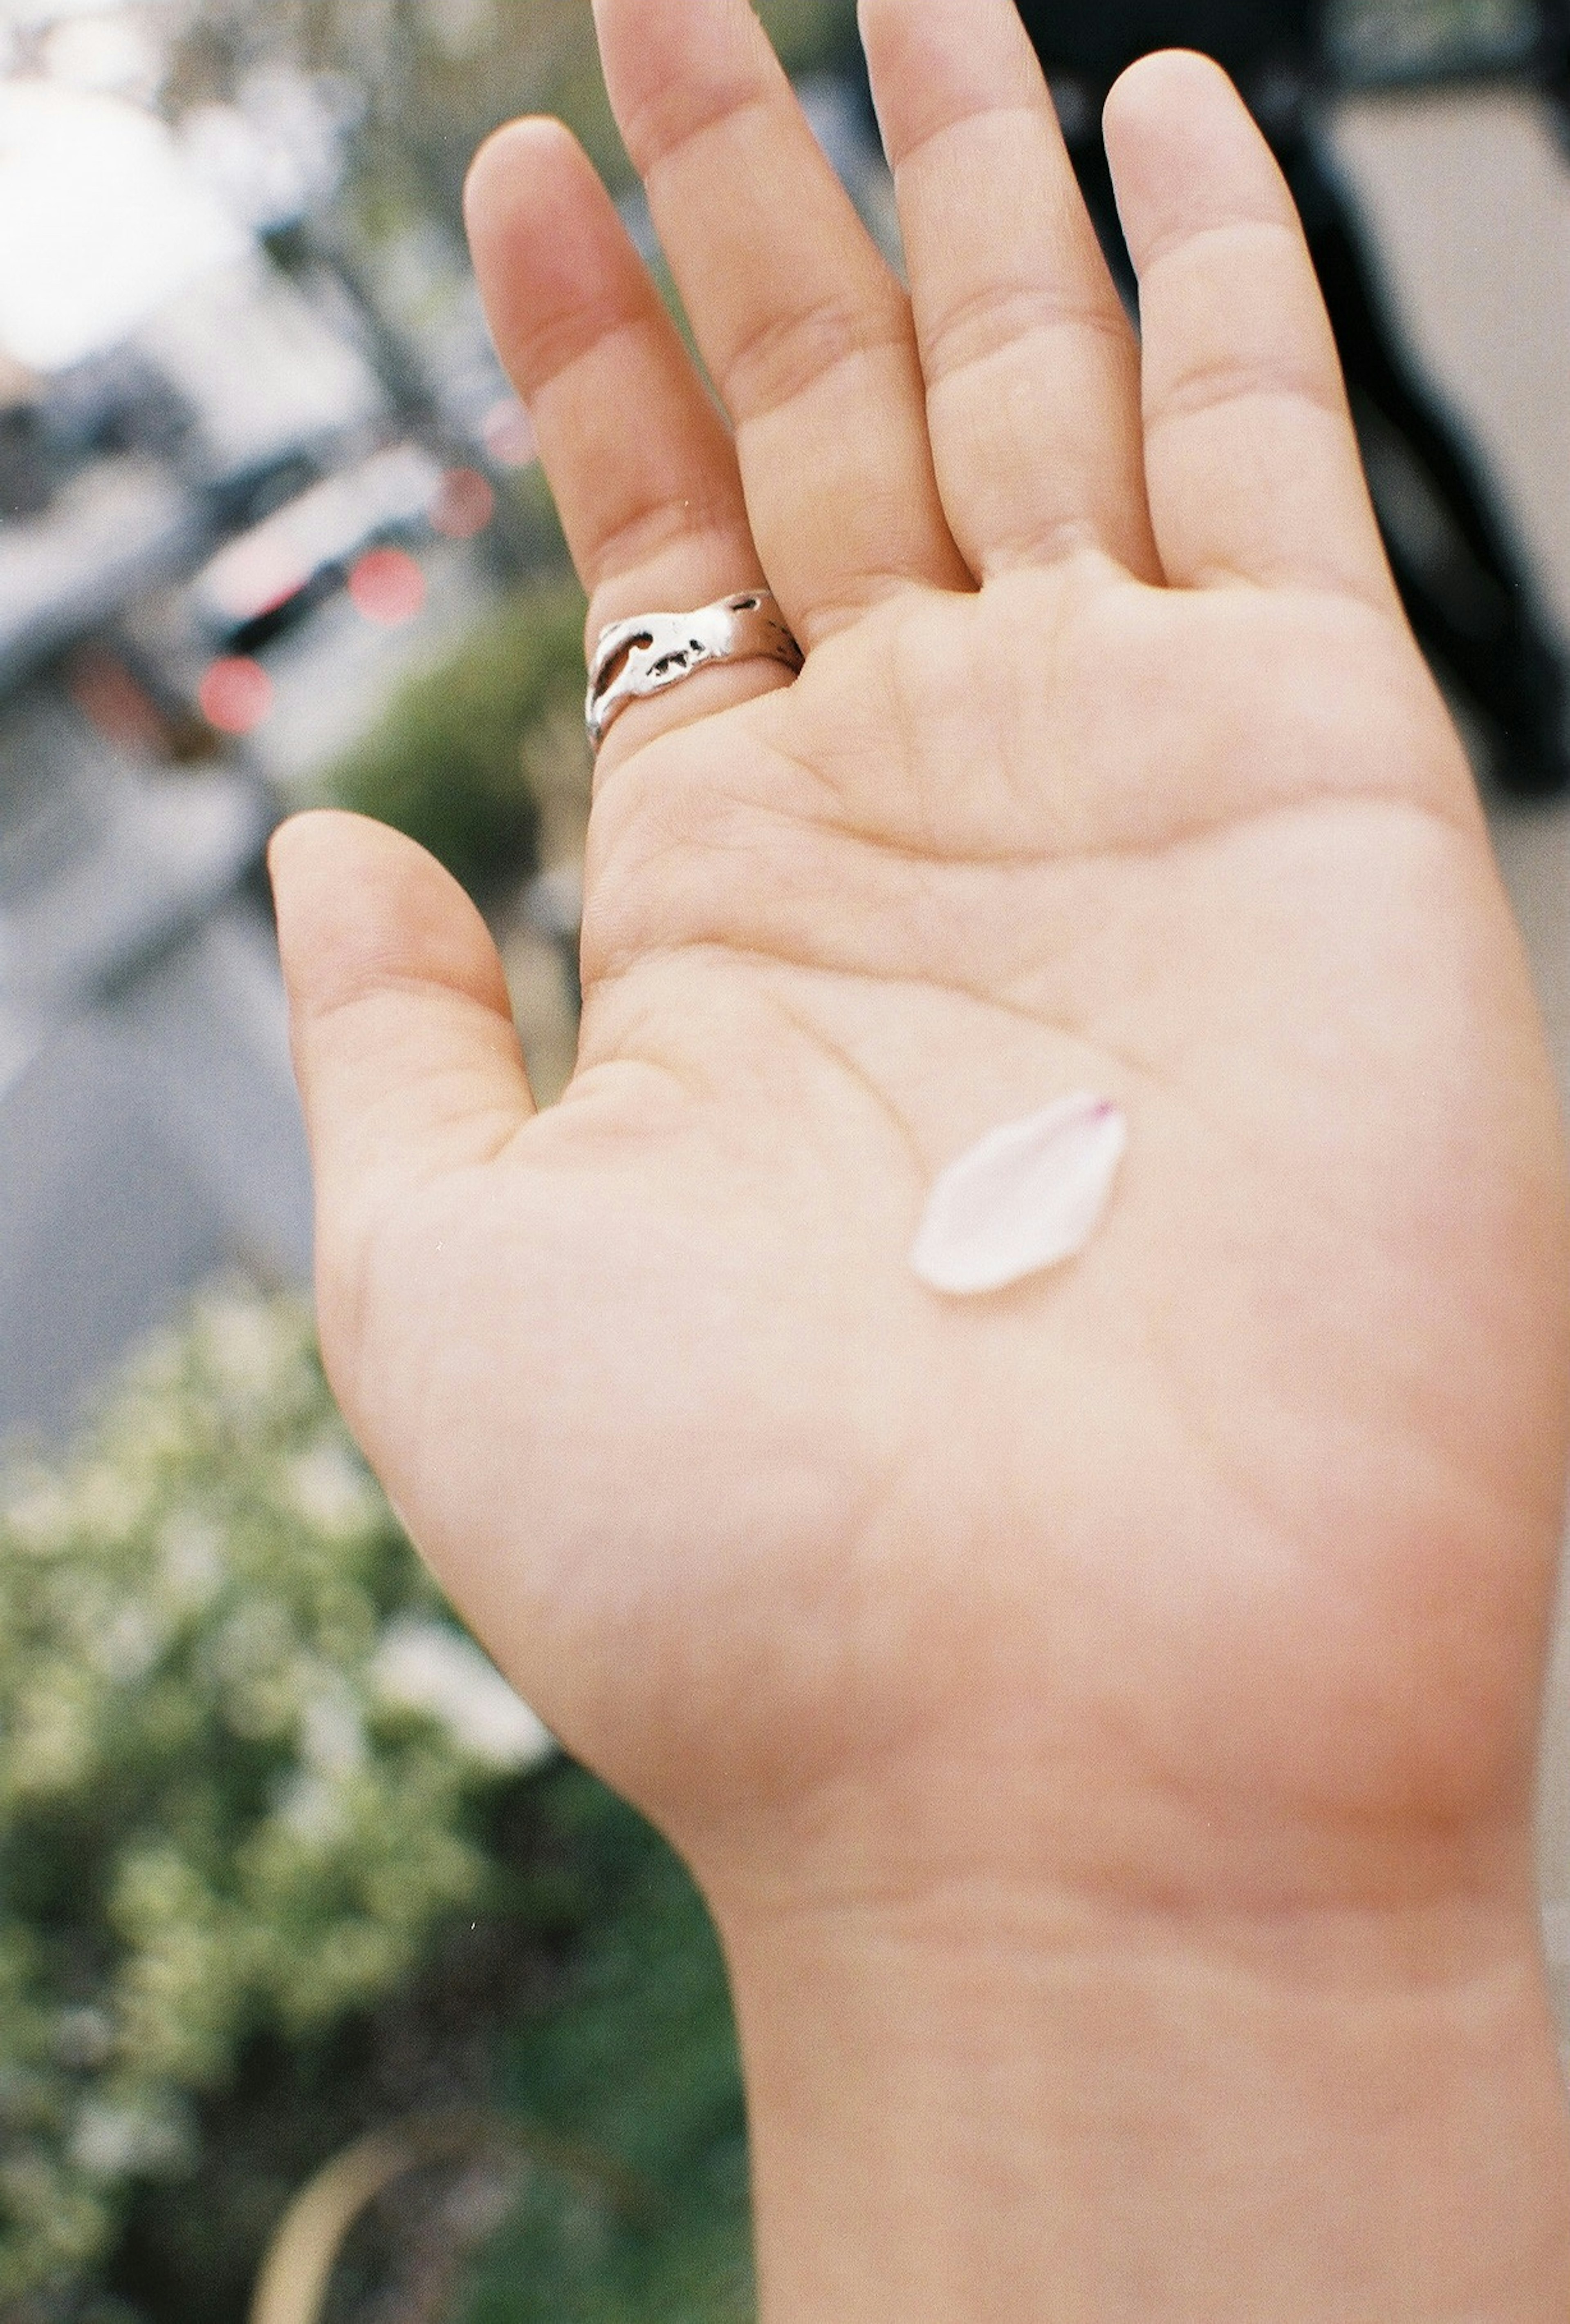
1469 199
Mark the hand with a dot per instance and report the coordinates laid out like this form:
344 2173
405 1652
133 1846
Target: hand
1202 1588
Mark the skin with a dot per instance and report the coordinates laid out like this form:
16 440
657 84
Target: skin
1102 1716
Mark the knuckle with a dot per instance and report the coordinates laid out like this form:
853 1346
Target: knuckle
783 355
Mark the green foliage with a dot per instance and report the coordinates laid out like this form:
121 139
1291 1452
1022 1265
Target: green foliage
811 35
443 763
218 1821
540 55
240 1878
438 76
636 2058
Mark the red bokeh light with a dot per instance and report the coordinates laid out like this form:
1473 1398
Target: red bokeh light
235 696
116 703
254 577
464 506
388 587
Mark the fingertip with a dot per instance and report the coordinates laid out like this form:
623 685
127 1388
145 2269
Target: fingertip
551 256
360 905
1184 151
298 845
294 858
1165 85
513 154
399 1018
1168 106
526 189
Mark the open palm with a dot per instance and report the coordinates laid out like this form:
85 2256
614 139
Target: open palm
1217 1566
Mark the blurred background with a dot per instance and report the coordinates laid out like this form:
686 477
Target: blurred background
327 1990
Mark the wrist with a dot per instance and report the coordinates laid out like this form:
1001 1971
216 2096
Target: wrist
989 2108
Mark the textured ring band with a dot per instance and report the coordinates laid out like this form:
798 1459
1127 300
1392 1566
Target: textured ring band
654 651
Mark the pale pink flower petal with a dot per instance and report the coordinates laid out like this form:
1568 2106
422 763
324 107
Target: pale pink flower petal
1028 1197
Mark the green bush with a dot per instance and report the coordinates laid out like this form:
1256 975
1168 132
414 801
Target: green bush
634 2058
220 1817
443 763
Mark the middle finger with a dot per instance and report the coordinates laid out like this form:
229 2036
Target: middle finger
1032 368
804 328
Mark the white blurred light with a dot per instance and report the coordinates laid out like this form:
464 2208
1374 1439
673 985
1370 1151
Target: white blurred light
278 152
424 1665
34 15
258 364
102 52
100 223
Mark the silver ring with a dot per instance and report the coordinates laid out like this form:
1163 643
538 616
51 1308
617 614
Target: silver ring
655 651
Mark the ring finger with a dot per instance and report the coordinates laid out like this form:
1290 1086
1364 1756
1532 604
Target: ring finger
641 464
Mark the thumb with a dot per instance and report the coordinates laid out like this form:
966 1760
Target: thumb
405 1050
